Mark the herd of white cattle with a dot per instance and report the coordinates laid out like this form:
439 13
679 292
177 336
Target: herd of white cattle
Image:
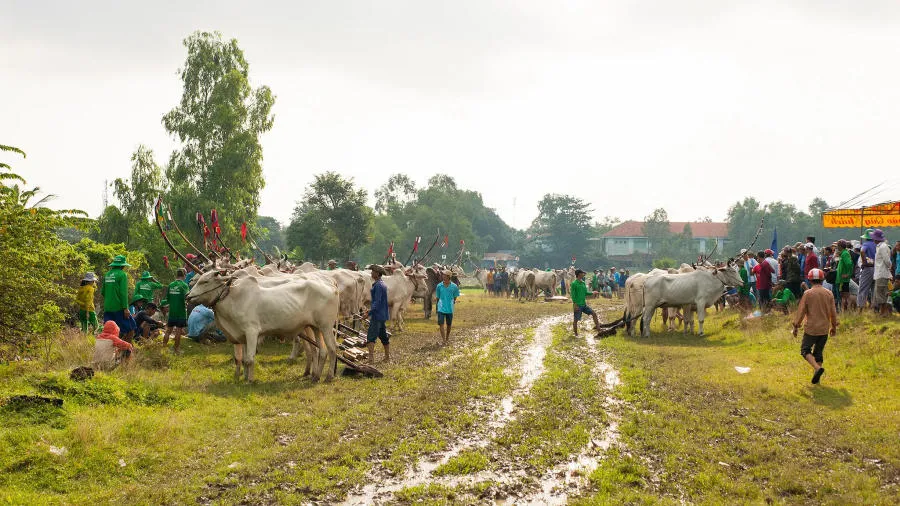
283 300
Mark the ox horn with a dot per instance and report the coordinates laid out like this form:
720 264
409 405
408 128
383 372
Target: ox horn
166 238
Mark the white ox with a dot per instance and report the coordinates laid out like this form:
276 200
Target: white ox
525 283
544 280
401 285
701 288
248 307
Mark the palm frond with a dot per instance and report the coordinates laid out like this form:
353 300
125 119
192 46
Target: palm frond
12 149
10 176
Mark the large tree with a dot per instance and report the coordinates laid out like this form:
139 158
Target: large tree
332 219
561 230
656 229
395 194
218 122
136 194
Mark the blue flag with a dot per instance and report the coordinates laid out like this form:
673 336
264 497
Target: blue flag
775 240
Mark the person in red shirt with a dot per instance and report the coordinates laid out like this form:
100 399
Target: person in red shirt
812 261
763 273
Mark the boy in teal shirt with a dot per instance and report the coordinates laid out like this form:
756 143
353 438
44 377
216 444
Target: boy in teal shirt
578 292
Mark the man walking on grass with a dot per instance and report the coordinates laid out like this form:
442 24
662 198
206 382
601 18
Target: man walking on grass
446 293
578 291
177 321
817 307
378 316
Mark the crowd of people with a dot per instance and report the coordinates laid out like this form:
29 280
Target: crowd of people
861 275
151 311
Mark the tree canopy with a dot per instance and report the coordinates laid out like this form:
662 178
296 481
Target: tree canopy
218 122
332 220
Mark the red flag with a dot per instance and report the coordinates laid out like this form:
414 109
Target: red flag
416 244
244 232
214 218
462 243
391 248
166 261
446 241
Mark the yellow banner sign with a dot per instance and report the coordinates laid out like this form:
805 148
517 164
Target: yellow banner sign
881 216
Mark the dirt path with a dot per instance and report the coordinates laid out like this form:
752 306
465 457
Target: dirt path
556 485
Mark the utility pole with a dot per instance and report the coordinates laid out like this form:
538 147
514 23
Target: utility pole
105 194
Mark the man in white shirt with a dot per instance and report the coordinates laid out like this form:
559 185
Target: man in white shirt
880 301
749 264
770 258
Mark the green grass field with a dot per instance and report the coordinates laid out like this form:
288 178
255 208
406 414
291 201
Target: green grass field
181 430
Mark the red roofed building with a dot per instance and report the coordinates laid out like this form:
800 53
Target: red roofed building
628 238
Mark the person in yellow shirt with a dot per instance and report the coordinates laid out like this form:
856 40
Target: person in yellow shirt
85 300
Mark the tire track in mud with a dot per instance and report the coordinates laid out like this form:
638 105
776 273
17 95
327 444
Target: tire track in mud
556 484
531 368
569 478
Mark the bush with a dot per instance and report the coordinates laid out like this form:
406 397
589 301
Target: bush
664 263
38 270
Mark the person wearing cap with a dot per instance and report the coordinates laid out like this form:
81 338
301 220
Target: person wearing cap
189 271
770 257
783 297
332 265
578 291
882 274
818 309
146 286
811 243
844 273
145 322
378 316
866 269
84 298
109 349
446 292
763 272
177 321
115 298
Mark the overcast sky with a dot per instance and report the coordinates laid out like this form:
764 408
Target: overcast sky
634 105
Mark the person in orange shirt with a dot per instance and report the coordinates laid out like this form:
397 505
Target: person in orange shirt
818 309
109 350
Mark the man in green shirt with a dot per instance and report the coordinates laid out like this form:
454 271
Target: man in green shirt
115 298
146 286
784 297
578 291
175 296
844 274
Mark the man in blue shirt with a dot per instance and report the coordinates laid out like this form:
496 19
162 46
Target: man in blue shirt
378 316
447 294
202 325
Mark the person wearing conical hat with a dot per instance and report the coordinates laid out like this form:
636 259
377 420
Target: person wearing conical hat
115 297
146 286
85 300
